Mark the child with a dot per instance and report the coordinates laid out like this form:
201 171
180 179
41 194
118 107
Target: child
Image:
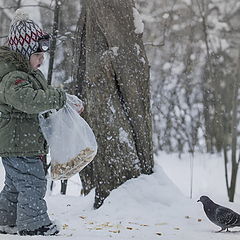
24 93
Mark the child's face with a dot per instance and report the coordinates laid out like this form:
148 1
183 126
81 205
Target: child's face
36 60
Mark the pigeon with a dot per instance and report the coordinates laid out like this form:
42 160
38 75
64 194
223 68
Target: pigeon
219 215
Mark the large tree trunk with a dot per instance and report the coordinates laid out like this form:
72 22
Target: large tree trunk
112 75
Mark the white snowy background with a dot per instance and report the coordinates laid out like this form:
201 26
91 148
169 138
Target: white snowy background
151 207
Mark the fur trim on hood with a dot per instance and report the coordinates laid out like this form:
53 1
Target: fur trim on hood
12 61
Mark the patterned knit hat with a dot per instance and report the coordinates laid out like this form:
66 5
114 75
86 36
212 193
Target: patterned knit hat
24 34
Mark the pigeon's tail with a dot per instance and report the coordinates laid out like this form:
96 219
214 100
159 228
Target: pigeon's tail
235 221
238 221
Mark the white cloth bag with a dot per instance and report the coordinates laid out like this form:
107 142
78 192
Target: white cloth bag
71 141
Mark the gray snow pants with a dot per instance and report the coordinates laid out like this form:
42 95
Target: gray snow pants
21 200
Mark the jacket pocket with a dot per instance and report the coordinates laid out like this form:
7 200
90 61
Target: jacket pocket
28 135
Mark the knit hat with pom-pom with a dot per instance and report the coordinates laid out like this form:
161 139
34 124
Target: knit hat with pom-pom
24 34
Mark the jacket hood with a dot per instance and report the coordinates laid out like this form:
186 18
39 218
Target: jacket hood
12 61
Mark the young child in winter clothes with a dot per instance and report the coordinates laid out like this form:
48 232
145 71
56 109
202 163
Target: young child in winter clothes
24 93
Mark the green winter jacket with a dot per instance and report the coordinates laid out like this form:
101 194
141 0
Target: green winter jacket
24 93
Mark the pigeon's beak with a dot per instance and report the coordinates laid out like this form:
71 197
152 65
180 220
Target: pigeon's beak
198 200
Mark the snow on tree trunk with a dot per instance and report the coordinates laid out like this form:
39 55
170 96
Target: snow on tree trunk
112 77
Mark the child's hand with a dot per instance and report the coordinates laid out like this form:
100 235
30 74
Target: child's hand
75 102
79 108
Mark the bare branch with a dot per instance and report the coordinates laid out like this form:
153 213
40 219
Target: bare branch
15 7
154 45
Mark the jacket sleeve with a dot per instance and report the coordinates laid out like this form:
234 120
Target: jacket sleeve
19 93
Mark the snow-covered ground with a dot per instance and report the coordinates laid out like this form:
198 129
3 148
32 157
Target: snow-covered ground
147 208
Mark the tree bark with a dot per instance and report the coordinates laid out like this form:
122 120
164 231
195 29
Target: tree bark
234 133
235 161
112 76
54 39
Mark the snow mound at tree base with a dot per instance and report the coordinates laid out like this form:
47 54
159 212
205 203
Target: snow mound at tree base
146 193
143 208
